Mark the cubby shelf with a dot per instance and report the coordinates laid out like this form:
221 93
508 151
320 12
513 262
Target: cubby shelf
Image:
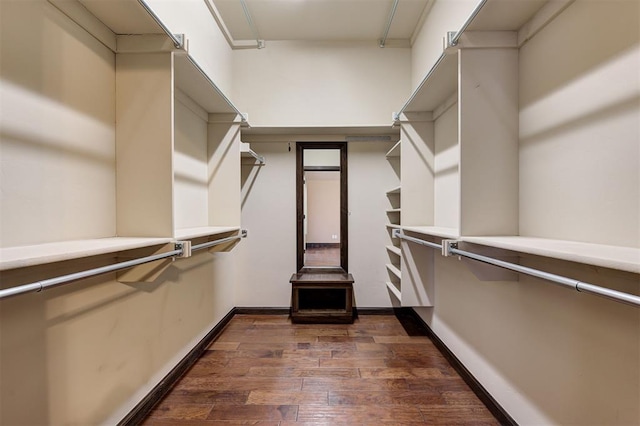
395 250
39 254
606 256
395 150
394 290
394 211
394 191
393 226
394 270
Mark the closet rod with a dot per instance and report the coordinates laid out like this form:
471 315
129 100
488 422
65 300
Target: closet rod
64 279
178 40
397 234
454 40
242 235
383 40
450 247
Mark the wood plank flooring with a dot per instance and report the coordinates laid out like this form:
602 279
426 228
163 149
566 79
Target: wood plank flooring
264 370
322 256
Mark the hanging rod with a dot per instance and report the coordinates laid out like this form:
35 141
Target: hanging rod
454 40
178 39
181 250
243 234
51 282
254 30
391 15
397 234
450 247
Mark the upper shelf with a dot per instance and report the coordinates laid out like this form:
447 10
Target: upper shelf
613 257
433 231
501 15
204 231
197 85
442 79
24 256
439 84
247 152
124 16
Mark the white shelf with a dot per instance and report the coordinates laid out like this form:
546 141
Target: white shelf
433 231
394 211
395 150
123 16
395 250
205 231
247 152
614 257
500 15
438 85
394 270
194 82
394 191
25 256
393 226
394 290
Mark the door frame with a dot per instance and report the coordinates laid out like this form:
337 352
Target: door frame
344 197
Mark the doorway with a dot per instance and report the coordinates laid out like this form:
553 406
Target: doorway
321 193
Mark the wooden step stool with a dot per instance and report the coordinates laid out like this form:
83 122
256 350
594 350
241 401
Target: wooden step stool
318 297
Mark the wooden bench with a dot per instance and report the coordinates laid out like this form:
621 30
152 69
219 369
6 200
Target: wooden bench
318 297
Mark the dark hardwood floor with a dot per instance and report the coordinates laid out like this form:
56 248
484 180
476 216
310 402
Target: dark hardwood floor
322 256
265 370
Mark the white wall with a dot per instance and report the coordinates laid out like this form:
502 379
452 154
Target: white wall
206 43
579 133
444 16
321 84
268 257
57 139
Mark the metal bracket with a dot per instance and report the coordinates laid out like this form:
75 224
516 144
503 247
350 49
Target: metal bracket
244 233
449 39
181 41
447 245
395 233
185 246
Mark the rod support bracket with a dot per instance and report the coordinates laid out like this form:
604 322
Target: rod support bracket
447 245
185 246
244 233
395 233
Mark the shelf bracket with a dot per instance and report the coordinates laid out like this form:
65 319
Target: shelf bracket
447 245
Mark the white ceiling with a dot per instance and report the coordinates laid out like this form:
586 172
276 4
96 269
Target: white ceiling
321 20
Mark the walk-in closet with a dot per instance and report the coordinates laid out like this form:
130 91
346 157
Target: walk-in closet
480 261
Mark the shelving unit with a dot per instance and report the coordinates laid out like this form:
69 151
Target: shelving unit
394 197
176 171
468 153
